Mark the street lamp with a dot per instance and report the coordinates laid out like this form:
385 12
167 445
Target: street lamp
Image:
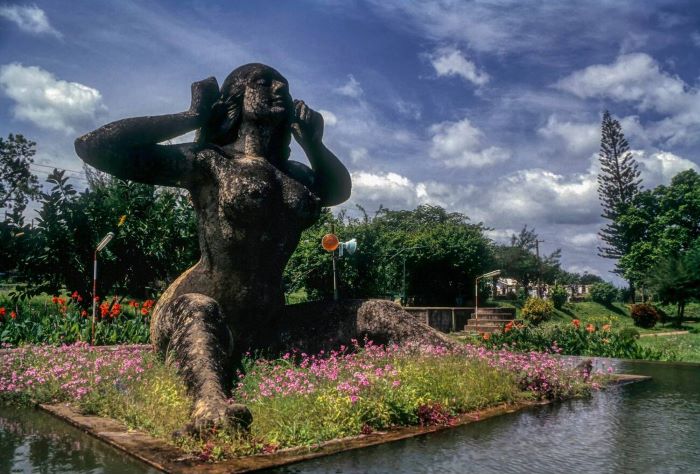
103 243
491 274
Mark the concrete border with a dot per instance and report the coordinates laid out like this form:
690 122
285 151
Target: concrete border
170 459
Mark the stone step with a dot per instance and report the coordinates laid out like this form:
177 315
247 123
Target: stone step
488 322
497 316
483 329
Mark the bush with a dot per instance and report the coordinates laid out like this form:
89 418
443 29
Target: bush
559 296
574 339
603 293
644 315
536 310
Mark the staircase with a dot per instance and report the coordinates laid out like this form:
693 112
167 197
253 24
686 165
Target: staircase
490 320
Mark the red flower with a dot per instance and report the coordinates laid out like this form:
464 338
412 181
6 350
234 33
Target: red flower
144 311
590 328
79 298
148 303
74 295
54 299
13 315
508 326
83 313
116 309
576 323
2 311
104 309
486 336
96 298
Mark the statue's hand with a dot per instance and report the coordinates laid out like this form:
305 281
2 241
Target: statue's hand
204 94
307 126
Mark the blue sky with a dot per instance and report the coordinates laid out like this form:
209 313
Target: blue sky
490 108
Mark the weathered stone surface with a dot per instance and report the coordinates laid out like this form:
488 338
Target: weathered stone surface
252 204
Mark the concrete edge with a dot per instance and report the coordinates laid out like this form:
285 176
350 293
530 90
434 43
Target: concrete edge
170 459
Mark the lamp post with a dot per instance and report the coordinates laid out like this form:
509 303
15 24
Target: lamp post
103 243
476 289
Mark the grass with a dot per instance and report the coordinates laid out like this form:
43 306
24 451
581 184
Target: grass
296 400
682 347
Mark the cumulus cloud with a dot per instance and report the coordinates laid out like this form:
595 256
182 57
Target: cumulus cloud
49 102
638 79
458 145
329 118
29 18
451 62
659 167
351 88
578 138
586 239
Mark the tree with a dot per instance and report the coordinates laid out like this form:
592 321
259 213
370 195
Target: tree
520 262
17 187
618 184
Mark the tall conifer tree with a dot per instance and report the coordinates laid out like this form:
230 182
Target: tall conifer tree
618 183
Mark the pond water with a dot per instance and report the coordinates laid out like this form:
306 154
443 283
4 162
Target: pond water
645 427
35 442
651 426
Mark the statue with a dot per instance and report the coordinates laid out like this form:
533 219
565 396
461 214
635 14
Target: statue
252 203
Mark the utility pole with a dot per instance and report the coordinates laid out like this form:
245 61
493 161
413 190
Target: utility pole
539 268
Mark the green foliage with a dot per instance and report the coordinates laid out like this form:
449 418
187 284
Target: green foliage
618 184
155 238
559 296
519 260
644 315
573 339
537 310
603 293
443 254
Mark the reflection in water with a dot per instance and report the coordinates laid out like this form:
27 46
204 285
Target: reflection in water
32 441
646 427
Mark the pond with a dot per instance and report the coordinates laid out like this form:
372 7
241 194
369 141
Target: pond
651 426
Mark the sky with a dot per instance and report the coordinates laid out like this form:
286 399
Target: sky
488 108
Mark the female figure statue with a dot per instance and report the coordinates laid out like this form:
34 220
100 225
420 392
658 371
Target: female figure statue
252 204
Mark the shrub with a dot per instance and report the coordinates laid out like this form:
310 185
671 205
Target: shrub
603 293
536 310
644 315
629 333
559 296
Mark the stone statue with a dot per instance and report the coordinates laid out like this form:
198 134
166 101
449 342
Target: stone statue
252 203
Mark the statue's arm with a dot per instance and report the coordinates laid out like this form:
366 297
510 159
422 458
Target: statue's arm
330 178
128 149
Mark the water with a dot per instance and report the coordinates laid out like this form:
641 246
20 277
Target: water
35 442
646 427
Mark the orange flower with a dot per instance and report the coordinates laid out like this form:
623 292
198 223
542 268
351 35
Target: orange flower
2 311
487 336
54 299
576 323
590 328
508 326
144 311
116 309
606 327
13 315
104 309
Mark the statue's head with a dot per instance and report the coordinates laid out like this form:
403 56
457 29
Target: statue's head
253 92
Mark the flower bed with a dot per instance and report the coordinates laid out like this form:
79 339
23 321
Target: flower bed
298 399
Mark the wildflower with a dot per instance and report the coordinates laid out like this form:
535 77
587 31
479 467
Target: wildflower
576 323
590 328
508 326
83 313
13 315
75 295
144 311
2 311
606 327
54 299
116 309
486 336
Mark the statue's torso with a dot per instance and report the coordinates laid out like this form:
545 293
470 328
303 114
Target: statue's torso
250 216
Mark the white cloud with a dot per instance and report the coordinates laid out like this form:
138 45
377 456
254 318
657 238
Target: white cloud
329 118
351 88
638 79
695 38
586 239
30 19
48 102
579 138
458 145
451 62
634 78
659 167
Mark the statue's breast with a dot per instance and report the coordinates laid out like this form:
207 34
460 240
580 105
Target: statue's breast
256 198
